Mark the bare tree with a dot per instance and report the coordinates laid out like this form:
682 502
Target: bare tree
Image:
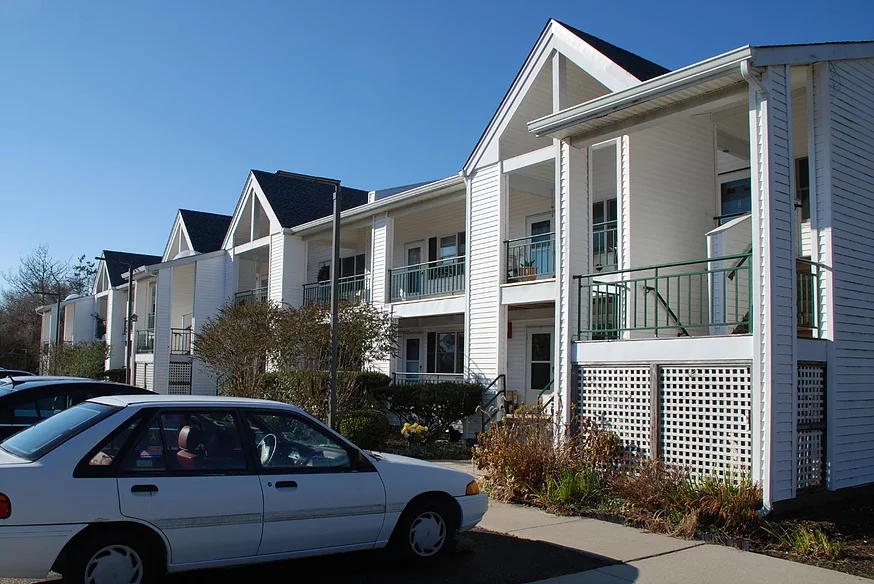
38 273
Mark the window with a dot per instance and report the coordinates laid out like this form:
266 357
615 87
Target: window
604 221
802 186
188 441
284 441
32 443
736 197
352 266
445 352
110 448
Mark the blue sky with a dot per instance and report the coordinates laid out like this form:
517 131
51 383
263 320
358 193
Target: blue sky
115 114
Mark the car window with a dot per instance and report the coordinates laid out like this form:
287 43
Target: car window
189 441
32 443
25 413
286 441
112 445
53 404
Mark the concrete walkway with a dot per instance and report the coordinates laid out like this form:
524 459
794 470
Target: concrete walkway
647 558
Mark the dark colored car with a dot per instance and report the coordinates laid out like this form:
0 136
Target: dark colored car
24 401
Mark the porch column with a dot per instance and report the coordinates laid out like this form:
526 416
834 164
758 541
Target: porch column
381 248
163 306
288 269
572 258
773 316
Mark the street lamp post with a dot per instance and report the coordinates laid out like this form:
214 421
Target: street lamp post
128 348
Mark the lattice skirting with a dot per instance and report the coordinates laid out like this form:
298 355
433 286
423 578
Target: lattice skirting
180 379
810 426
700 419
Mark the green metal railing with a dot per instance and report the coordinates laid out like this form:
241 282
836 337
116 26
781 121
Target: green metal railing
667 299
351 290
543 405
438 278
605 245
256 296
487 414
807 278
529 257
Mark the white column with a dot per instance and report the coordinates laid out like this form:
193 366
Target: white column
381 249
773 313
163 302
572 258
288 269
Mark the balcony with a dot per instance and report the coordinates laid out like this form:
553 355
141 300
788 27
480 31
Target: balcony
416 378
145 341
439 278
605 242
351 290
180 341
807 278
254 296
530 257
699 297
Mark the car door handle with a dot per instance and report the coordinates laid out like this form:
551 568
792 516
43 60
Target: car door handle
144 489
286 484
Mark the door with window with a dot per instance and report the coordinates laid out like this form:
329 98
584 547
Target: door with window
412 365
540 254
414 253
186 473
318 492
540 361
604 234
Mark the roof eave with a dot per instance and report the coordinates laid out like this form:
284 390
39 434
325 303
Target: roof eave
678 80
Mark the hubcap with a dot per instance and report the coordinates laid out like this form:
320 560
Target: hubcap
427 534
114 564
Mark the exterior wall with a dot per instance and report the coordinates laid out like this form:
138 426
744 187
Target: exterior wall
420 226
518 357
319 255
523 205
246 270
380 260
849 124
116 315
208 298
162 331
485 320
288 256
78 320
182 295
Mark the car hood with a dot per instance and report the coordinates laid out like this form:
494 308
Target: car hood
398 471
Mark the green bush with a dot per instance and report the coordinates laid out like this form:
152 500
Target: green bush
435 405
367 429
116 375
80 360
308 389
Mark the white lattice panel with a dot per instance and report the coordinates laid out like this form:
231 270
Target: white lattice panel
810 429
180 379
618 398
705 419
143 374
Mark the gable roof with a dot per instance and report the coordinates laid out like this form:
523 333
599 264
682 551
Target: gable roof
298 198
643 69
383 193
627 68
206 231
116 260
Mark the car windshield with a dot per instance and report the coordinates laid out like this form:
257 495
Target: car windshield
34 442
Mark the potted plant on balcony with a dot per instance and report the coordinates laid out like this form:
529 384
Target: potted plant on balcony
527 271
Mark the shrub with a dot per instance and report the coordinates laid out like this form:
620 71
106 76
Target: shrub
439 450
308 390
435 405
574 488
805 540
85 359
367 429
116 375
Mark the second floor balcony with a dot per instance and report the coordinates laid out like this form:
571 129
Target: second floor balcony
351 290
145 341
443 277
180 341
254 296
530 258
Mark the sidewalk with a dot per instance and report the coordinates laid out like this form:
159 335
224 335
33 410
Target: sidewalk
647 558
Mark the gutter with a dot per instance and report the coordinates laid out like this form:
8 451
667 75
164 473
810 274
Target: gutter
751 77
376 206
685 78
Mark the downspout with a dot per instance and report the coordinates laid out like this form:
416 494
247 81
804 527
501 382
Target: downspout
750 76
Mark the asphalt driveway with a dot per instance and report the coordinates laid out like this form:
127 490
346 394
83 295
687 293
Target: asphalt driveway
484 558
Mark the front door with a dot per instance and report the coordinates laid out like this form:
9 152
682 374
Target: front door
415 275
540 362
412 358
188 476
316 495
541 246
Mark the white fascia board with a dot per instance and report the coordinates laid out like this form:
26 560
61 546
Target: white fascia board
237 210
177 224
153 268
528 159
806 54
411 196
685 78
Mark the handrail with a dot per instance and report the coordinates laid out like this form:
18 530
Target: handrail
432 264
503 391
671 312
741 262
659 266
543 235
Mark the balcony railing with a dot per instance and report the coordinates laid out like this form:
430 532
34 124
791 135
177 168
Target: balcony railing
807 278
180 341
415 378
667 300
255 296
605 244
351 290
439 278
145 341
530 257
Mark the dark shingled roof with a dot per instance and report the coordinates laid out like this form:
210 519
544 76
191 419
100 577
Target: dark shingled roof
206 230
381 194
641 68
136 260
297 199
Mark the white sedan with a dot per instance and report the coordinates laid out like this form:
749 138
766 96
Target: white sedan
122 489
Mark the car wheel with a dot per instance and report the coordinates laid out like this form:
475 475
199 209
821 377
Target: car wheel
426 531
111 557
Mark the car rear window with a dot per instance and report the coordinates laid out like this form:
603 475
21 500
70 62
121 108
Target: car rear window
34 442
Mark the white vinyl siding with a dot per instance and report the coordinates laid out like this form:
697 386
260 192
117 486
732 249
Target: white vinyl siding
209 297
162 330
851 124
